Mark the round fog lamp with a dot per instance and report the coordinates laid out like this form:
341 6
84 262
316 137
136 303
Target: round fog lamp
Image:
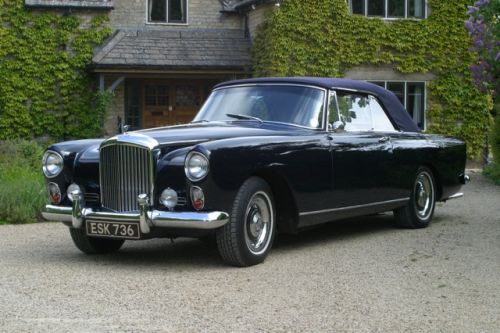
169 198
71 189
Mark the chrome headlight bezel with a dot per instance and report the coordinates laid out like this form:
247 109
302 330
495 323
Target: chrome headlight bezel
52 164
196 166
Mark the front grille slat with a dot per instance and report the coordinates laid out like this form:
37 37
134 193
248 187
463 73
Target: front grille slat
125 172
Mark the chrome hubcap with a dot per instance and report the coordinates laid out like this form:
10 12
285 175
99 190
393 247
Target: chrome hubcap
258 223
424 195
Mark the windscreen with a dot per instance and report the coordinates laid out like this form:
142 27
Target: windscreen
298 105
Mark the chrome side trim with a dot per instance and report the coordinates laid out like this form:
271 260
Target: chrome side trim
158 219
455 196
380 203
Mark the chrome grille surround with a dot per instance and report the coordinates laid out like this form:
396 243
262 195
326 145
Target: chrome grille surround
126 169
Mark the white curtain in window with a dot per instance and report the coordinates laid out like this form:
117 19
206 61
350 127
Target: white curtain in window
183 9
419 8
418 108
150 9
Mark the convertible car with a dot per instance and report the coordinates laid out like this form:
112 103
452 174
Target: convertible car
262 156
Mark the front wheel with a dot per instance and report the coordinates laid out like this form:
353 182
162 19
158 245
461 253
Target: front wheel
94 245
419 210
248 236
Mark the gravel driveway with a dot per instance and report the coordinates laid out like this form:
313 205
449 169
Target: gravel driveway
354 276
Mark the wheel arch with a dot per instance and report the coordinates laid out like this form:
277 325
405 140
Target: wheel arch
286 208
437 179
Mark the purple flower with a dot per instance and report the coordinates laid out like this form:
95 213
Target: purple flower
481 3
472 10
469 26
497 57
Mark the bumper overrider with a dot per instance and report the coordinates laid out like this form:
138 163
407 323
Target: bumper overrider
145 217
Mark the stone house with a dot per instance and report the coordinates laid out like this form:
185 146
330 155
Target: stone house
164 56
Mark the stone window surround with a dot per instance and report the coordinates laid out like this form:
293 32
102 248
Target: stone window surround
148 22
386 17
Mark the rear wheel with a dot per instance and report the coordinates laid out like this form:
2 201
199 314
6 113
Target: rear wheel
94 245
419 210
248 236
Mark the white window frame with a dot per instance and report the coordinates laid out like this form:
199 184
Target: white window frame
405 96
386 11
166 22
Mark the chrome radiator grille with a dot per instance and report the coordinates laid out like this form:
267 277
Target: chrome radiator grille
125 172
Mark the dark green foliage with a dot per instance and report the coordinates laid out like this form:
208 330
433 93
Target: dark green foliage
321 38
45 88
22 188
492 170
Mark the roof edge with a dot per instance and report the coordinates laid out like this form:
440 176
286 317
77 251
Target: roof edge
70 4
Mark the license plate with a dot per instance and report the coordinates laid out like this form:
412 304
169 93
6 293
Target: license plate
125 230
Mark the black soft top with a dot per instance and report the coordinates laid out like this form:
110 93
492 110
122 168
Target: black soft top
395 109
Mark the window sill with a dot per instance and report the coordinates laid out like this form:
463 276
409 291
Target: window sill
390 19
166 24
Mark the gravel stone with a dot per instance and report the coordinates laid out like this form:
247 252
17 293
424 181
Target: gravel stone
360 275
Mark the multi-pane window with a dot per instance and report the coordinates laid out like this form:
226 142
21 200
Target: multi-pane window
411 95
167 11
389 8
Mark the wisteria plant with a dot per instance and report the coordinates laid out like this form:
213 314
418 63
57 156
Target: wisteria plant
484 28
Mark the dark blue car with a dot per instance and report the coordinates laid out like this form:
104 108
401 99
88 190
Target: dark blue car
262 156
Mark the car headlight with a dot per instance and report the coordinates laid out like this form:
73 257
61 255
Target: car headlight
196 166
52 164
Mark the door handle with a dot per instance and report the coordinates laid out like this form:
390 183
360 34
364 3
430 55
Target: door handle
384 139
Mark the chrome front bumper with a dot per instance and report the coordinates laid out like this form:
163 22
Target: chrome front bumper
146 218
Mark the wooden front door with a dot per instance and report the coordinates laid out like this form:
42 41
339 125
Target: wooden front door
171 102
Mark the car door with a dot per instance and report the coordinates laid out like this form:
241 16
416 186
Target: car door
362 152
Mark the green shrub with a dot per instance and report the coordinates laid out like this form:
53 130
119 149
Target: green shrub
493 170
22 188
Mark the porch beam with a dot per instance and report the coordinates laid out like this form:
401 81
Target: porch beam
116 83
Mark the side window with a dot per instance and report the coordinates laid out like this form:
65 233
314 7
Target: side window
354 111
381 122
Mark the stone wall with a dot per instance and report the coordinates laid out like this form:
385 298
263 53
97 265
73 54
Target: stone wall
115 109
205 14
385 73
257 16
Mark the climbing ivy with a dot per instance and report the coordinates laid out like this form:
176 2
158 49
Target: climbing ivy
321 38
45 89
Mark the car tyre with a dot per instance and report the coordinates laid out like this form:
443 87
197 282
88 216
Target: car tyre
419 210
94 245
248 236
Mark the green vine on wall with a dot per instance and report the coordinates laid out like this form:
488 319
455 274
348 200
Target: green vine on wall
321 38
45 87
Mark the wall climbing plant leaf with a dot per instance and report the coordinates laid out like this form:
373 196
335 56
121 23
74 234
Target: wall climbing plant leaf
321 38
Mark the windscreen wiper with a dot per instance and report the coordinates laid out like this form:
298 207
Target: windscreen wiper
245 117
